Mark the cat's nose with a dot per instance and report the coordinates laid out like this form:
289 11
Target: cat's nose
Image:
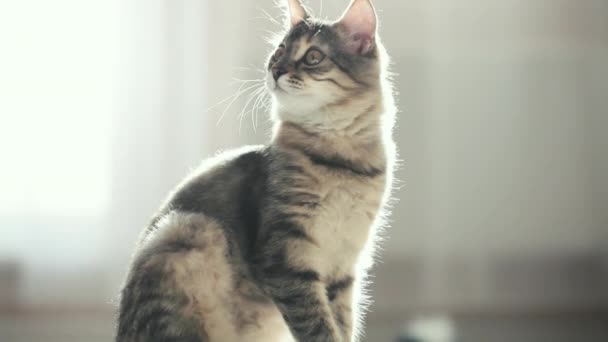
278 72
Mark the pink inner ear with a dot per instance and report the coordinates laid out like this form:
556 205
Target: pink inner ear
361 43
360 23
296 12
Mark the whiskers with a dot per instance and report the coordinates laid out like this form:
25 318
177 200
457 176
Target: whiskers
255 96
295 83
256 100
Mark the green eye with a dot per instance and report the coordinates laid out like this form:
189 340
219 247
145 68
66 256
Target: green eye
314 56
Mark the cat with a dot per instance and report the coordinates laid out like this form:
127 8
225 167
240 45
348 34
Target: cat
272 243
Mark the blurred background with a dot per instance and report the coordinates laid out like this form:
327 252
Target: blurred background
501 229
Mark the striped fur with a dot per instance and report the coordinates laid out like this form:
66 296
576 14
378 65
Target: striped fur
272 243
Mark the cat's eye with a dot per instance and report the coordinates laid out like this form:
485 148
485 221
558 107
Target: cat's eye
279 53
314 56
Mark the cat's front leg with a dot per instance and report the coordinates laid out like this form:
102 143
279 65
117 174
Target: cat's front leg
340 296
299 294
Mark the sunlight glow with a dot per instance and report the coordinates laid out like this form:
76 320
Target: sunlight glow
58 75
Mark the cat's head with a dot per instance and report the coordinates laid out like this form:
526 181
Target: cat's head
319 66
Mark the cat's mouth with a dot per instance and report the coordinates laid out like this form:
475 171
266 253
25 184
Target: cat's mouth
285 86
275 86
281 85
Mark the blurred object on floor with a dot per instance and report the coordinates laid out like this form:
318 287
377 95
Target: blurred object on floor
429 329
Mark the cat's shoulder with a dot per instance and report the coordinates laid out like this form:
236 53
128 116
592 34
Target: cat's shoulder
237 157
226 169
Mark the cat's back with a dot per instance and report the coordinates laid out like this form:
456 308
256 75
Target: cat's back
188 279
224 187
224 178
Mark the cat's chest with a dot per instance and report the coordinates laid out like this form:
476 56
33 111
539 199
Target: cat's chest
345 215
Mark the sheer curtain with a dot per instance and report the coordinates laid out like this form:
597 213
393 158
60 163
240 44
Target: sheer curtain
160 129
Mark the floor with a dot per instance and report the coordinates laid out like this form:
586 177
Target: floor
554 328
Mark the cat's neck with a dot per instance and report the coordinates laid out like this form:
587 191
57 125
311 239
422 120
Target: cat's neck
359 139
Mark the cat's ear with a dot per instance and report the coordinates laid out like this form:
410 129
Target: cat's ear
359 22
297 13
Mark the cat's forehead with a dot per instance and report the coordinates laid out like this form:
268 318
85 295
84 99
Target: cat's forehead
308 33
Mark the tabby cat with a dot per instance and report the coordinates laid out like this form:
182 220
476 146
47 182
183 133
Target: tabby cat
272 243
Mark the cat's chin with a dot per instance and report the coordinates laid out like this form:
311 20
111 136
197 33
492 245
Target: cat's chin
283 95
